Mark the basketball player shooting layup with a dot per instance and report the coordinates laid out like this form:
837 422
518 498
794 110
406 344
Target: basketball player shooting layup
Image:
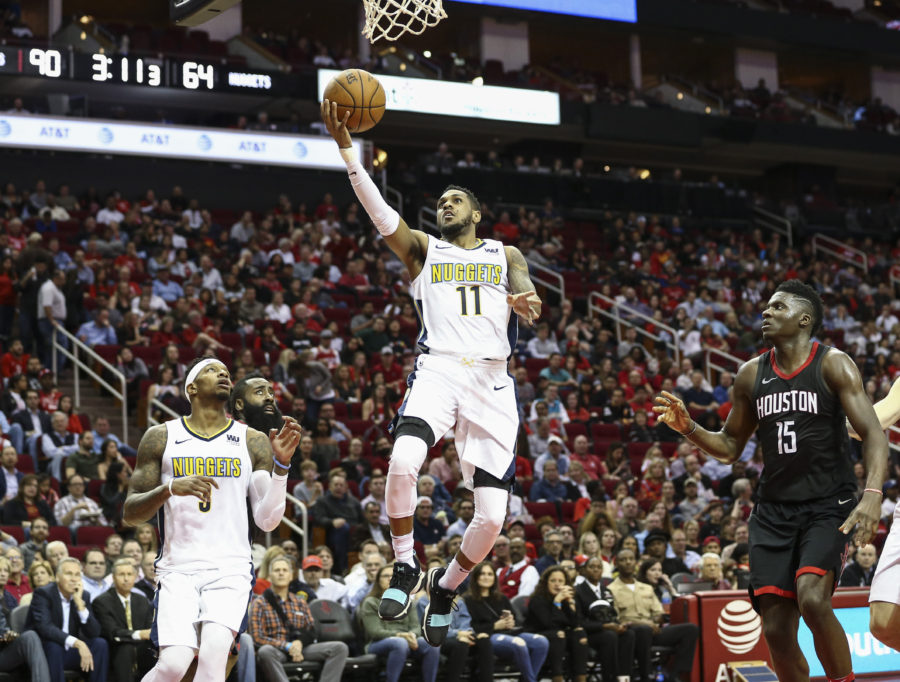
197 473
795 396
884 595
464 288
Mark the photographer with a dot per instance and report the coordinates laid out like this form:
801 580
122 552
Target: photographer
284 630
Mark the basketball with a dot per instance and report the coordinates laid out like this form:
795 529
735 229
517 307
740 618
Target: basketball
360 93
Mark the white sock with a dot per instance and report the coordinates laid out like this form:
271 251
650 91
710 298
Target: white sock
403 548
454 576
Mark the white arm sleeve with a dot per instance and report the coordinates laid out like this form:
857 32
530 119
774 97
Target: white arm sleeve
267 499
385 218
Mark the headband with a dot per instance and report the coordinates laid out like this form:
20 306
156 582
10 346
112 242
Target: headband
196 370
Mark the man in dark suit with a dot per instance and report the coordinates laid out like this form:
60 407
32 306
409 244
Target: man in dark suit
60 613
147 584
371 529
34 422
125 619
10 477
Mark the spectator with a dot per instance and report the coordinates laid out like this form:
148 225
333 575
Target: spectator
593 465
58 443
395 640
50 394
9 481
427 529
711 571
17 583
147 584
376 494
26 506
56 552
22 651
679 559
40 574
283 628
94 572
34 422
135 372
639 608
338 511
98 331
61 615
14 360
77 509
372 563
125 618
697 397
613 641
554 454
83 461
860 571
310 488
553 613
164 287
51 313
446 467
112 550
36 545
465 512
550 488
630 523
323 587
556 374
102 434
372 528
542 345
651 573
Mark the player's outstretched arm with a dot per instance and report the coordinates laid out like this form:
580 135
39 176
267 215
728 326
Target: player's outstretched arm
146 494
887 410
725 445
522 296
409 245
843 377
271 454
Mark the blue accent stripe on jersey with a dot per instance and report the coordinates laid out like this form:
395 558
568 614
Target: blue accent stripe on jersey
409 384
207 439
423 331
512 333
154 630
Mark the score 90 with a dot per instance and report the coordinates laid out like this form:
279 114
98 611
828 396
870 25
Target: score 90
47 62
193 74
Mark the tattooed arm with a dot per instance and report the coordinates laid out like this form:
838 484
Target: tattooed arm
146 494
522 296
267 490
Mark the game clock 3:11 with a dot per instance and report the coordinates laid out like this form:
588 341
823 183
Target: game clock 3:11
187 74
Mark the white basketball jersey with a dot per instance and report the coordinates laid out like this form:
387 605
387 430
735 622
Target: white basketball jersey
461 299
197 536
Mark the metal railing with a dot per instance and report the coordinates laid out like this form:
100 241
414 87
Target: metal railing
548 278
896 431
80 365
301 530
774 222
427 218
697 91
162 407
622 320
838 249
720 361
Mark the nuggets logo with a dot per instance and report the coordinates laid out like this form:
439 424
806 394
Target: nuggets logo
739 626
220 467
466 273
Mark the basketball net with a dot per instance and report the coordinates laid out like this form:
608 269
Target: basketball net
390 19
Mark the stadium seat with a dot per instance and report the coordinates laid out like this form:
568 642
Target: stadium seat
16 531
61 533
17 618
335 624
520 607
539 509
605 432
25 464
93 535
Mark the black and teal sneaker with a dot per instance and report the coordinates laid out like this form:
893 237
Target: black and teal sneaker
405 582
436 621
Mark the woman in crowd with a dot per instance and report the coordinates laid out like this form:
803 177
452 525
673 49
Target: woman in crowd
612 641
344 387
262 573
588 545
492 616
552 612
145 534
654 477
327 557
113 493
40 574
67 407
691 530
651 573
171 359
395 640
109 453
377 408
324 445
26 505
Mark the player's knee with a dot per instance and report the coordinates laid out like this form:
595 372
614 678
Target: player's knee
813 607
884 623
777 633
407 456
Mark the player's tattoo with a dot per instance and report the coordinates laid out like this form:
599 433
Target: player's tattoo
519 279
145 494
260 450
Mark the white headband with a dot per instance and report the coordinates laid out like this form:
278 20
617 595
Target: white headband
196 370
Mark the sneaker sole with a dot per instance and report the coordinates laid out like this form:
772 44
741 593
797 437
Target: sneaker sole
405 610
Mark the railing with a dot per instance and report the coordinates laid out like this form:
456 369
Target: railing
720 361
838 249
301 530
548 278
611 311
394 197
896 431
162 407
774 222
80 365
697 91
427 218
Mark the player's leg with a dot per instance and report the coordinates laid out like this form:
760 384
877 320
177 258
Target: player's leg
780 619
175 603
427 413
216 641
171 665
884 595
814 601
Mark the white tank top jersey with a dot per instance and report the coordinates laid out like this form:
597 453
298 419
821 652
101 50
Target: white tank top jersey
195 536
461 300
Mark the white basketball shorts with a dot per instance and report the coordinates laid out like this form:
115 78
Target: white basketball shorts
479 398
186 600
886 581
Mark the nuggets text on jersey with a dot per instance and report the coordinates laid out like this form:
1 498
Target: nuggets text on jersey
217 467
466 273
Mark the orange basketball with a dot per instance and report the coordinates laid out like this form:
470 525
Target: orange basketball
360 93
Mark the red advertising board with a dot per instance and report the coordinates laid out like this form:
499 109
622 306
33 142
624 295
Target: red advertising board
731 631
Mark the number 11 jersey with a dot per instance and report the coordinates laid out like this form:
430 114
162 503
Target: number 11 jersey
802 432
460 297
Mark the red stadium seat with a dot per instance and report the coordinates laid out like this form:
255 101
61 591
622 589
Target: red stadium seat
61 533
25 464
78 551
93 536
539 509
606 432
93 489
16 531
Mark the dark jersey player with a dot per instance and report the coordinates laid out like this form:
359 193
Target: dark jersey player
796 396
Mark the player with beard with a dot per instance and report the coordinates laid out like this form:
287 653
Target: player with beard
253 402
465 290
204 570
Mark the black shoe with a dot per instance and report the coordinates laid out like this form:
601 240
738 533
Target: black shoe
437 618
405 582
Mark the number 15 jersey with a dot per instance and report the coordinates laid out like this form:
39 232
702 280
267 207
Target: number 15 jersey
801 431
460 297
